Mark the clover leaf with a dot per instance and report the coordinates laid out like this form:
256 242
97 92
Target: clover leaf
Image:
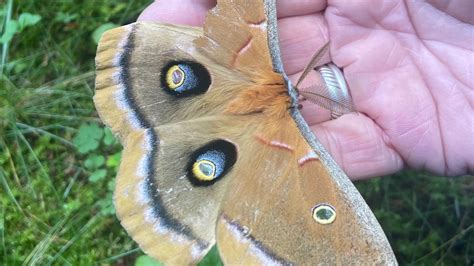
88 137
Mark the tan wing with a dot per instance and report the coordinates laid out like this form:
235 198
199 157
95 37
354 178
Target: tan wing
170 217
267 216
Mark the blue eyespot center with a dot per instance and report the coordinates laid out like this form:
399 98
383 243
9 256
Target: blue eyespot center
207 168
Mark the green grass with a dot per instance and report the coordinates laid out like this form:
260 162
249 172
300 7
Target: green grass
56 198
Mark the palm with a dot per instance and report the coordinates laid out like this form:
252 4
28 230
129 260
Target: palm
413 109
408 68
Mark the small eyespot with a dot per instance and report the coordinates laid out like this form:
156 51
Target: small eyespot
324 213
185 78
211 162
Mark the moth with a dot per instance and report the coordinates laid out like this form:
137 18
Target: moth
216 150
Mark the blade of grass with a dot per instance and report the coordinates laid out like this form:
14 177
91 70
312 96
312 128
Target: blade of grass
460 234
459 230
25 170
65 117
71 183
71 241
37 254
7 20
118 256
7 189
37 160
44 132
11 162
2 230
61 82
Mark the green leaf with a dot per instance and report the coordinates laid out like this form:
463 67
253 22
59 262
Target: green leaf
65 17
113 161
111 185
88 137
97 175
145 260
28 19
94 161
106 205
72 205
11 28
100 30
109 137
212 258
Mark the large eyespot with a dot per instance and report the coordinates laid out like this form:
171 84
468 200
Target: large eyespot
324 213
210 163
184 78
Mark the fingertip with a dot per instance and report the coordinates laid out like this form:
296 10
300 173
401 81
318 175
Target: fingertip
183 12
300 37
289 8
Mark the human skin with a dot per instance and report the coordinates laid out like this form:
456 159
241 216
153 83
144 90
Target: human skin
409 66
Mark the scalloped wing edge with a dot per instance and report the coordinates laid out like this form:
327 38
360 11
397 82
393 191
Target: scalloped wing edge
111 99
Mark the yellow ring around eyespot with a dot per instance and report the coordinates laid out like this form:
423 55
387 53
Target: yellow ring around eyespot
199 174
324 207
169 77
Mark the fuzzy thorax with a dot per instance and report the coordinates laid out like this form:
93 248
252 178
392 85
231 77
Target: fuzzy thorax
270 100
268 95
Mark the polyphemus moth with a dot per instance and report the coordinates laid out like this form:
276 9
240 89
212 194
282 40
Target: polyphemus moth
215 148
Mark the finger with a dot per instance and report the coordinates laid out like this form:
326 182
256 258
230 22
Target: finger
289 8
193 12
459 9
184 12
300 38
359 146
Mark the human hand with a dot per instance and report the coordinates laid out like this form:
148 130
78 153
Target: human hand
409 67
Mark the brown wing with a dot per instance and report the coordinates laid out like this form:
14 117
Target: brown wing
235 35
158 200
268 216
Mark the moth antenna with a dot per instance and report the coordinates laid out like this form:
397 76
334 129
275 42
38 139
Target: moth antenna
319 94
315 59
